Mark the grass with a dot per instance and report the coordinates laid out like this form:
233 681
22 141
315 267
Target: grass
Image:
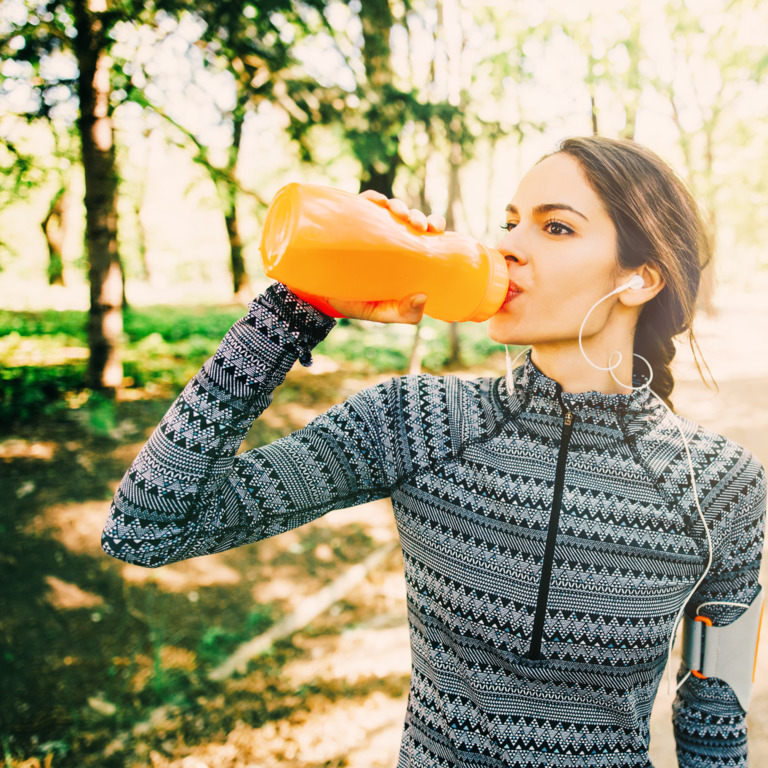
43 354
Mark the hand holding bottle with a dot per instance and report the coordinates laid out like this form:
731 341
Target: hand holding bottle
409 309
371 258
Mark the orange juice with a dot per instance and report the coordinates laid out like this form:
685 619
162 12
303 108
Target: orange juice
324 242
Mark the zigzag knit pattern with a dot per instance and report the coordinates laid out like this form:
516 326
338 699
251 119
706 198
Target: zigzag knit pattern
545 563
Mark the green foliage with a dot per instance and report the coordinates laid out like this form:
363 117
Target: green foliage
388 347
19 172
179 323
171 323
217 643
164 347
64 326
169 365
27 391
100 412
42 355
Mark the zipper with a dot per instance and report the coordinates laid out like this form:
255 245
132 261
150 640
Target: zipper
534 652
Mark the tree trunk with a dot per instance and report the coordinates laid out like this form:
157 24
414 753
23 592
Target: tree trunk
376 20
592 93
708 284
54 229
241 283
141 234
700 188
417 352
141 193
105 323
593 112
123 297
454 202
381 161
454 346
380 181
632 88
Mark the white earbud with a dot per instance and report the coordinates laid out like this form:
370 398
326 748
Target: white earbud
636 282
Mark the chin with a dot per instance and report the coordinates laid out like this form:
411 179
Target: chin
502 331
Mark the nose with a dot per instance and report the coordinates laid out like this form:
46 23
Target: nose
511 248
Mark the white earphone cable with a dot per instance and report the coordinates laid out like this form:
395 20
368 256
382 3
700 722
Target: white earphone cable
635 283
511 366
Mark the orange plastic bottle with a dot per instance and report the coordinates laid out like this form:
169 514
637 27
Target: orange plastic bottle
324 242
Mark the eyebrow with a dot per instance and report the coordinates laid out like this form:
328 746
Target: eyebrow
540 210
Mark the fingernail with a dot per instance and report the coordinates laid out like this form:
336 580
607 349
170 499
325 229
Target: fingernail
418 301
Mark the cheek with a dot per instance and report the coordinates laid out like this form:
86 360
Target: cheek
567 294
563 289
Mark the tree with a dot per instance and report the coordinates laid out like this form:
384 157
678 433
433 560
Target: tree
372 116
708 92
611 49
251 42
377 146
54 229
42 38
40 161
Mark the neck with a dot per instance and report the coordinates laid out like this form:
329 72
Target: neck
564 362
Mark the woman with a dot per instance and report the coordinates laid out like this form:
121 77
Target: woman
547 520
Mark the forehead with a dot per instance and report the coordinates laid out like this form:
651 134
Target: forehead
558 178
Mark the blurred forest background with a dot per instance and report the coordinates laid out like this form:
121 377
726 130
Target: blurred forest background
140 144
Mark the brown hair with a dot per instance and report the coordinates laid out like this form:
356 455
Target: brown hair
657 222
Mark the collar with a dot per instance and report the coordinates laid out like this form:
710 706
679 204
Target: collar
537 396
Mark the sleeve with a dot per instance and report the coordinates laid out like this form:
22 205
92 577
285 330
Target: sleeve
710 726
188 493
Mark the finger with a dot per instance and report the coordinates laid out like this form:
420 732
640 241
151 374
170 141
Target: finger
411 308
418 219
373 196
408 310
398 208
435 223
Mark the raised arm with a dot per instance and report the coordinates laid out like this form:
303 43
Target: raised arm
187 493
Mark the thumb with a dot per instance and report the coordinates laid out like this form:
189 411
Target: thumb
411 307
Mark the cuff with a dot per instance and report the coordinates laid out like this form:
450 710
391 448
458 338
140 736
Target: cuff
305 324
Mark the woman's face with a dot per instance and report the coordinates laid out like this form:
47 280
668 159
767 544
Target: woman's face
560 247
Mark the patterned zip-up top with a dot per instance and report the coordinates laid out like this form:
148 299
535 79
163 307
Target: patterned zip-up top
549 539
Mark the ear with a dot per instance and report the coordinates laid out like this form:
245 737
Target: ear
653 282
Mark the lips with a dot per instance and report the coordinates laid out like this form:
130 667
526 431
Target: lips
513 291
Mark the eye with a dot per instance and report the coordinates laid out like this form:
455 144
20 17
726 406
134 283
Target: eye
508 226
557 228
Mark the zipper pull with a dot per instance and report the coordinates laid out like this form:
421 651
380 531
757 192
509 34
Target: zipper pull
568 419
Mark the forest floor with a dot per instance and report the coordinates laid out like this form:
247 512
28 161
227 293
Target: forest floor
106 664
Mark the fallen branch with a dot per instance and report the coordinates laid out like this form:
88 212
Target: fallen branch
307 610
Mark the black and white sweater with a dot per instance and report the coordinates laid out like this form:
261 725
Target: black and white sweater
549 539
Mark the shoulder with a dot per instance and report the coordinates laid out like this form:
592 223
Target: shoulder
727 465
428 388
731 487
728 475
460 408
730 480
457 396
